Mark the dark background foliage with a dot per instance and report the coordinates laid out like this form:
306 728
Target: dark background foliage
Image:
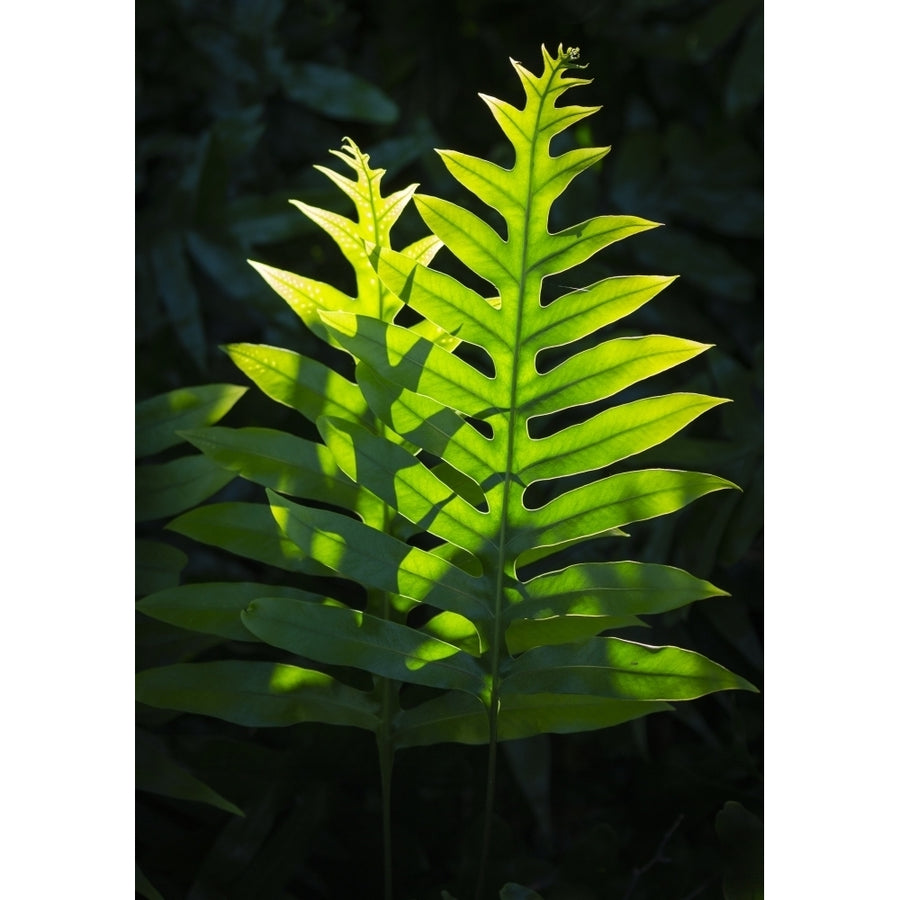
236 101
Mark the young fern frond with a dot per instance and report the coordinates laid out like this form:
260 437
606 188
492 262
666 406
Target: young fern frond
376 217
318 628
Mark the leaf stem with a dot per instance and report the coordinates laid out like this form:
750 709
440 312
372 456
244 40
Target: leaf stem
386 765
490 790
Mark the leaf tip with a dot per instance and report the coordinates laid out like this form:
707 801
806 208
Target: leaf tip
731 486
570 58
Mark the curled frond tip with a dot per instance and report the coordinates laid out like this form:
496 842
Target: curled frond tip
570 57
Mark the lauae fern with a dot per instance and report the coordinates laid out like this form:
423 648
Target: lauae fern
474 492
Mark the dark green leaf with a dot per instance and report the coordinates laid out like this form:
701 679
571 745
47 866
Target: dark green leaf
158 566
176 288
741 835
511 891
143 886
213 608
338 94
169 488
464 720
158 773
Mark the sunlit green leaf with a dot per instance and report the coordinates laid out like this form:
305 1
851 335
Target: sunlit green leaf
351 549
352 638
298 382
258 694
403 482
620 670
523 634
276 459
159 419
245 529
609 589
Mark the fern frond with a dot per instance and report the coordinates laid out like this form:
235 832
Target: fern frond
481 425
303 469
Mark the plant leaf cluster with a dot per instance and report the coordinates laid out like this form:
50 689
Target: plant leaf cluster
446 468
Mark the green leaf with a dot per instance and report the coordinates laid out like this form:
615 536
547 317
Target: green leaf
290 465
741 835
245 529
143 886
604 371
221 259
298 382
170 488
437 296
305 296
461 718
609 589
414 362
352 638
158 566
213 608
157 773
256 694
456 630
429 425
159 419
523 634
403 482
363 554
338 94
176 289
583 311
620 670
612 435
511 891
376 217
276 459
610 503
